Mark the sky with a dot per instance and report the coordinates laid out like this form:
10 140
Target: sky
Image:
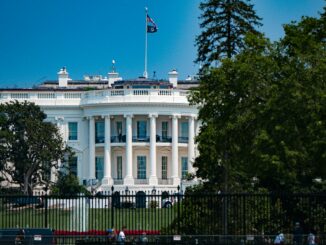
38 37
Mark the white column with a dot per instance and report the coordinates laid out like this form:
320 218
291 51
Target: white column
191 143
59 122
198 125
91 145
152 157
128 180
107 180
175 163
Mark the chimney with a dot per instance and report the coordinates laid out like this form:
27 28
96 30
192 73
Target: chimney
173 77
63 77
113 75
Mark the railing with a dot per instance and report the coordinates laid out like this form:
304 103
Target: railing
170 213
167 181
183 139
46 96
141 181
163 138
118 181
99 139
140 139
122 139
118 139
98 96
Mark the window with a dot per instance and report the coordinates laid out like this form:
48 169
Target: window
164 130
119 167
99 132
73 165
99 164
184 167
73 131
164 167
141 167
184 129
119 131
141 129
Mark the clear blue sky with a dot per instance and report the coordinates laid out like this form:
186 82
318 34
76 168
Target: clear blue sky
38 37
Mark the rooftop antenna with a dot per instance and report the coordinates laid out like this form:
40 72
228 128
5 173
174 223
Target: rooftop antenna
113 66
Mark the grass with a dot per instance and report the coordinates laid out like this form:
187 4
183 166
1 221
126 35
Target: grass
97 219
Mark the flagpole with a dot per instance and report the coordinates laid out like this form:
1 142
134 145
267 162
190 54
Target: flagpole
145 71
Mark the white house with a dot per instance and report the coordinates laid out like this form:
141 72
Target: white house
131 134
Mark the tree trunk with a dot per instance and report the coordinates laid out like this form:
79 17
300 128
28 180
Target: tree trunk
27 188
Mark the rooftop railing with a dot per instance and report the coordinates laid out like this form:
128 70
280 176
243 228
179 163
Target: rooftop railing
96 96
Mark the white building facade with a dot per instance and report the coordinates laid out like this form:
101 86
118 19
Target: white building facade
135 134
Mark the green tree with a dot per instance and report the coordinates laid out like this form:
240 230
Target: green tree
68 185
30 146
229 98
266 109
224 24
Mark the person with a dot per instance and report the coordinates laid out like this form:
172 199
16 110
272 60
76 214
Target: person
122 237
279 239
143 238
111 235
311 238
297 234
20 237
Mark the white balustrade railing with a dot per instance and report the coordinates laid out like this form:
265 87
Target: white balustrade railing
97 96
46 95
19 96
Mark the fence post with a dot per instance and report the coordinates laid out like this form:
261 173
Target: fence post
178 214
112 207
46 208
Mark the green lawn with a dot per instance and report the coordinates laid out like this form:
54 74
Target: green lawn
97 219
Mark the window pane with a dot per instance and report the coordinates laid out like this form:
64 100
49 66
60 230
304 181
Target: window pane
184 129
73 165
99 132
141 129
184 166
164 130
164 167
119 167
141 167
73 131
119 131
119 128
99 165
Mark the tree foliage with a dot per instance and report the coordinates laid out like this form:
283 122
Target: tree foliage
224 24
68 185
30 147
266 109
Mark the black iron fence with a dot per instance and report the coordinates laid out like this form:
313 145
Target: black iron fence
240 216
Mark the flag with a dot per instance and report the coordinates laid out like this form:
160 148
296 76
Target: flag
151 26
151 29
150 20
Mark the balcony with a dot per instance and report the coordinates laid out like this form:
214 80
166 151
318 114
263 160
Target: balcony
140 139
118 181
77 98
118 139
122 139
165 181
99 139
141 181
167 139
183 139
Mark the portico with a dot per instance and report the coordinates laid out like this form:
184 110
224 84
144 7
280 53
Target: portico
135 147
